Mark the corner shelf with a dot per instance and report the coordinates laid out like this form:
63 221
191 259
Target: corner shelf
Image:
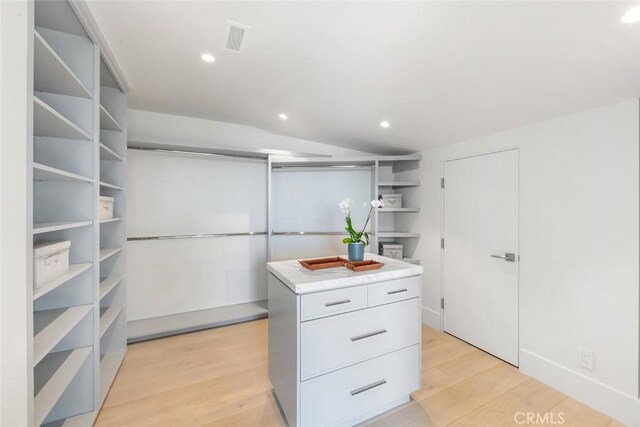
52 74
107 122
48 122
107 153
108 284
53 326
74 270
107 316
48 227
65 365
48 173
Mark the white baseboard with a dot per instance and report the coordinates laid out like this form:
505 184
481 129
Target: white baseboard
431 318
616 404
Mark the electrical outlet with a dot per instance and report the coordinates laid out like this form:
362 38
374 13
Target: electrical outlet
585 358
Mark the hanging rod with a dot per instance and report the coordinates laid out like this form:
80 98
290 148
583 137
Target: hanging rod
195 236
198 153
312 167
312 233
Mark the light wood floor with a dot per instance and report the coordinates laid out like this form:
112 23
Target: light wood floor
218 377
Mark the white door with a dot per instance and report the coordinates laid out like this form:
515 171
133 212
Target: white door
481 252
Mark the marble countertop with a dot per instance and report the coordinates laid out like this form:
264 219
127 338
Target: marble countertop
303 281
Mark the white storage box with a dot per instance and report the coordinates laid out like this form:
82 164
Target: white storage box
105 207
392 200
50 261
391 250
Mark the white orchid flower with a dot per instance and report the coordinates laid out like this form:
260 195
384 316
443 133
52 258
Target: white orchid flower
345 204
377 203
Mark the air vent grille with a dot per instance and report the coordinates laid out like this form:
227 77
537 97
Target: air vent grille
236 35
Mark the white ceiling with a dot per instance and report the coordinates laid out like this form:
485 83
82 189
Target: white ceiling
439 72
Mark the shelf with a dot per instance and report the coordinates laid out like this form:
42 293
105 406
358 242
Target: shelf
107 122
48 227
399 184
398 209
108 253
47 173
107 285
51 326
387 234
65 365
48 122
107 153
107 317
110 186
106 221
411 261
51 74
82 420
109 366
74 270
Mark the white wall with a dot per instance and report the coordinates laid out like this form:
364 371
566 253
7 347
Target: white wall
15 87
172 129
579 245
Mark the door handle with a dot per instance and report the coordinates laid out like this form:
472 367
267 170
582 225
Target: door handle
509 257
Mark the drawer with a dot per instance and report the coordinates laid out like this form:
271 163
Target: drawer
338 341
338 397
322 304
393 290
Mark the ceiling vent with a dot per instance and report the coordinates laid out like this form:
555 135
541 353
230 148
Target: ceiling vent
236 35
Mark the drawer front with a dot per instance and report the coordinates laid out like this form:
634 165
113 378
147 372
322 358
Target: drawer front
394 290
322 304
337 397
338 341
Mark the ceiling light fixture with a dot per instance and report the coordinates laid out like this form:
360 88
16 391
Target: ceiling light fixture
283 116
632 16
207 57
385 124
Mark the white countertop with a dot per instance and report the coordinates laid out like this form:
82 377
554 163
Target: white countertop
303 281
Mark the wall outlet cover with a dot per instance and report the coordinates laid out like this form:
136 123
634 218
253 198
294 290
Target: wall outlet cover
585 358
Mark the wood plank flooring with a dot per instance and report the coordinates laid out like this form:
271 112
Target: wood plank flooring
218 377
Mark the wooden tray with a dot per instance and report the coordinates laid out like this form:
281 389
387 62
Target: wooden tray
320 263
363 265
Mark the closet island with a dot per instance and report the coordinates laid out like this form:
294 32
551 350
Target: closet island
344 346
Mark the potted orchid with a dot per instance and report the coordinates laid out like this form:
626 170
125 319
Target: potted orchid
357 240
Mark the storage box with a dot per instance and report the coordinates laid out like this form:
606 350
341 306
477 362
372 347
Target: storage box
105 207
391 250
50 261
392 200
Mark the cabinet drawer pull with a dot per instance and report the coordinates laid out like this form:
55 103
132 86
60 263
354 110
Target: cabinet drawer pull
397 291
330 304
368 387
369 335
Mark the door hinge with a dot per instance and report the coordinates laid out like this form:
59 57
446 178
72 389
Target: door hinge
442 243
442 303
441 182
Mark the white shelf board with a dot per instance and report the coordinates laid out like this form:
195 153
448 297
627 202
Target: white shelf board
51 74
110 186
386 234
107 153
399 184
74 270
82 420
398 209
48 227
411 260
106 285
108 252
48 122
47 173
107 122
52 326
106 221
107 317
70 363
109 366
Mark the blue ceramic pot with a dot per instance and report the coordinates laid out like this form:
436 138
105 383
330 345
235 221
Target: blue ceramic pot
356 251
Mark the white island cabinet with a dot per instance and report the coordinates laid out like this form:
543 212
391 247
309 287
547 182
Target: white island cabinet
344 346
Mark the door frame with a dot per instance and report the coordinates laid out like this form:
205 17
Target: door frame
442 219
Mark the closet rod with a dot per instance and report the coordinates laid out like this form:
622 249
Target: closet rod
312 233
196 153
195 236
310 167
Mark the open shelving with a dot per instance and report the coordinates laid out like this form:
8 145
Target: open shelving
48 173
74 271
48 227
52 326
49 122
108 284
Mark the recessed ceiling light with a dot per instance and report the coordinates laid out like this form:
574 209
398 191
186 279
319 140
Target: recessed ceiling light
632 16
385 124
283 116
207 57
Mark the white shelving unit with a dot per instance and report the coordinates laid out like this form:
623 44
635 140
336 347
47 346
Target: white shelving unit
70 159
